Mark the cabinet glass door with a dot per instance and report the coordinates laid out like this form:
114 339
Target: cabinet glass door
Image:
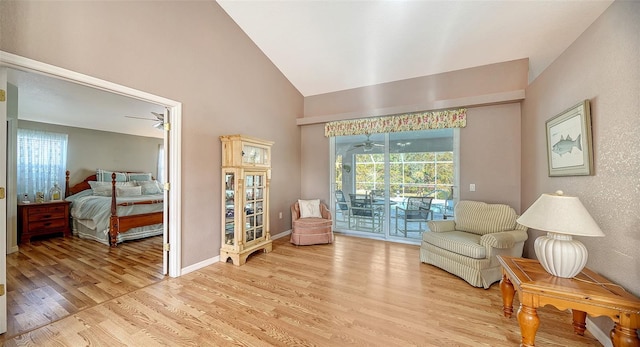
229 221
254 190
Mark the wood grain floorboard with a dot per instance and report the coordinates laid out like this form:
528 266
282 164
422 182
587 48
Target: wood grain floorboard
356 292
53 278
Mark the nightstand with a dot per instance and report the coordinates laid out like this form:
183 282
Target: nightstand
43 218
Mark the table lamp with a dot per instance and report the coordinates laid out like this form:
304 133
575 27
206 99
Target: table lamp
561 217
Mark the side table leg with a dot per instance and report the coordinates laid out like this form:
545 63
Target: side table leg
579 322
624 337
506 287
529 322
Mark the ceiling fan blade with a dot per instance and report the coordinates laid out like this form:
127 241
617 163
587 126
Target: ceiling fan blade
144 118
160 116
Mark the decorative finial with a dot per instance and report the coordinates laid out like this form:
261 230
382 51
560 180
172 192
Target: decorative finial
559 192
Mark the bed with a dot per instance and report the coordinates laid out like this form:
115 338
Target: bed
118 210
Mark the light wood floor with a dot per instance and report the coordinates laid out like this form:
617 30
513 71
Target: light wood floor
56 277
354 292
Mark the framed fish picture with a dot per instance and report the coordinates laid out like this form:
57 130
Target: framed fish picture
569 144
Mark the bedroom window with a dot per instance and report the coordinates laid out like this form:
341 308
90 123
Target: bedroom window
42 161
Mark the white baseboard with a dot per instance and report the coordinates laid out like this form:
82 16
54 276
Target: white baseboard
600 335
13 249
281 235
199 265
216 259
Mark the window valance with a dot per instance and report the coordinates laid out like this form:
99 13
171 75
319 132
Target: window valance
398 123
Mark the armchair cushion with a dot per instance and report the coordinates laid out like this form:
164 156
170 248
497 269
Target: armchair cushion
311 222
459 242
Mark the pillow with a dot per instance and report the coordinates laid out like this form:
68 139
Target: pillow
129 191
105 176
139 176
104 188
101 191
96 184
100 188
310 208
149 187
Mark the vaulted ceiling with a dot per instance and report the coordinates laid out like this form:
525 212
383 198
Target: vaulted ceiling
327 46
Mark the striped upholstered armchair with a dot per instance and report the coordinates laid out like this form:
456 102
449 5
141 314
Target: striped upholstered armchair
468 245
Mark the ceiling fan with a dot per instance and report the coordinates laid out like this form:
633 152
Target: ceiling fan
159 119
367 145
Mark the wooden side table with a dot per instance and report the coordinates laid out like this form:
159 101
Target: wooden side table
35 219
587 293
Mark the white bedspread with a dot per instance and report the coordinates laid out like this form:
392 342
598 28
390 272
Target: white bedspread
94 211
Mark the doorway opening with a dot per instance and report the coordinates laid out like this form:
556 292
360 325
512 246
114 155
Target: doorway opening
171 149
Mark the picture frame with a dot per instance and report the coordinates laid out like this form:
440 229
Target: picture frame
569 142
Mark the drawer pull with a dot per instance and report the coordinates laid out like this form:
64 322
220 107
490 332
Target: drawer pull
47 224
46 216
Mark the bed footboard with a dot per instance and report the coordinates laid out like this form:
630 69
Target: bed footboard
120 224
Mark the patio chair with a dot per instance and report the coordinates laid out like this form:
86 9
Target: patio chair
365 213
417 209
342 205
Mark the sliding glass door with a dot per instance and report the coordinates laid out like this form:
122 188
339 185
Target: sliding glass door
359 185
390 185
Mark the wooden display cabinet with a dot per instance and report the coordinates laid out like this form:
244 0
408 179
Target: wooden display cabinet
246 174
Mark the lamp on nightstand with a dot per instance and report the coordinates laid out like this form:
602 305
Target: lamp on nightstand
561 217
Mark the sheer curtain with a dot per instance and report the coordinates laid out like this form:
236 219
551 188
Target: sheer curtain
42 161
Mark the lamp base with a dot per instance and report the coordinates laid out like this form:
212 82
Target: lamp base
560 254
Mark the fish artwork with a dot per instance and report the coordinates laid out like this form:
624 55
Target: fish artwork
565 145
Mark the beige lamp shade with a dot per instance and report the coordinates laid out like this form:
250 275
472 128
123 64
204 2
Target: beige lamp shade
560 214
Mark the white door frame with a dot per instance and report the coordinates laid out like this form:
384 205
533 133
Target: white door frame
172 170
3 201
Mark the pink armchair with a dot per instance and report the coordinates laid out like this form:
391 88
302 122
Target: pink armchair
311 230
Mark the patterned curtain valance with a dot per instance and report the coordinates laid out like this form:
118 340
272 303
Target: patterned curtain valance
397 123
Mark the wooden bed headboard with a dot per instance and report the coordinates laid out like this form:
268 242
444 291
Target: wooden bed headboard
84 185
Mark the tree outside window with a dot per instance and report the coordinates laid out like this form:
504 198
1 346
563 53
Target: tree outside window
411 174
